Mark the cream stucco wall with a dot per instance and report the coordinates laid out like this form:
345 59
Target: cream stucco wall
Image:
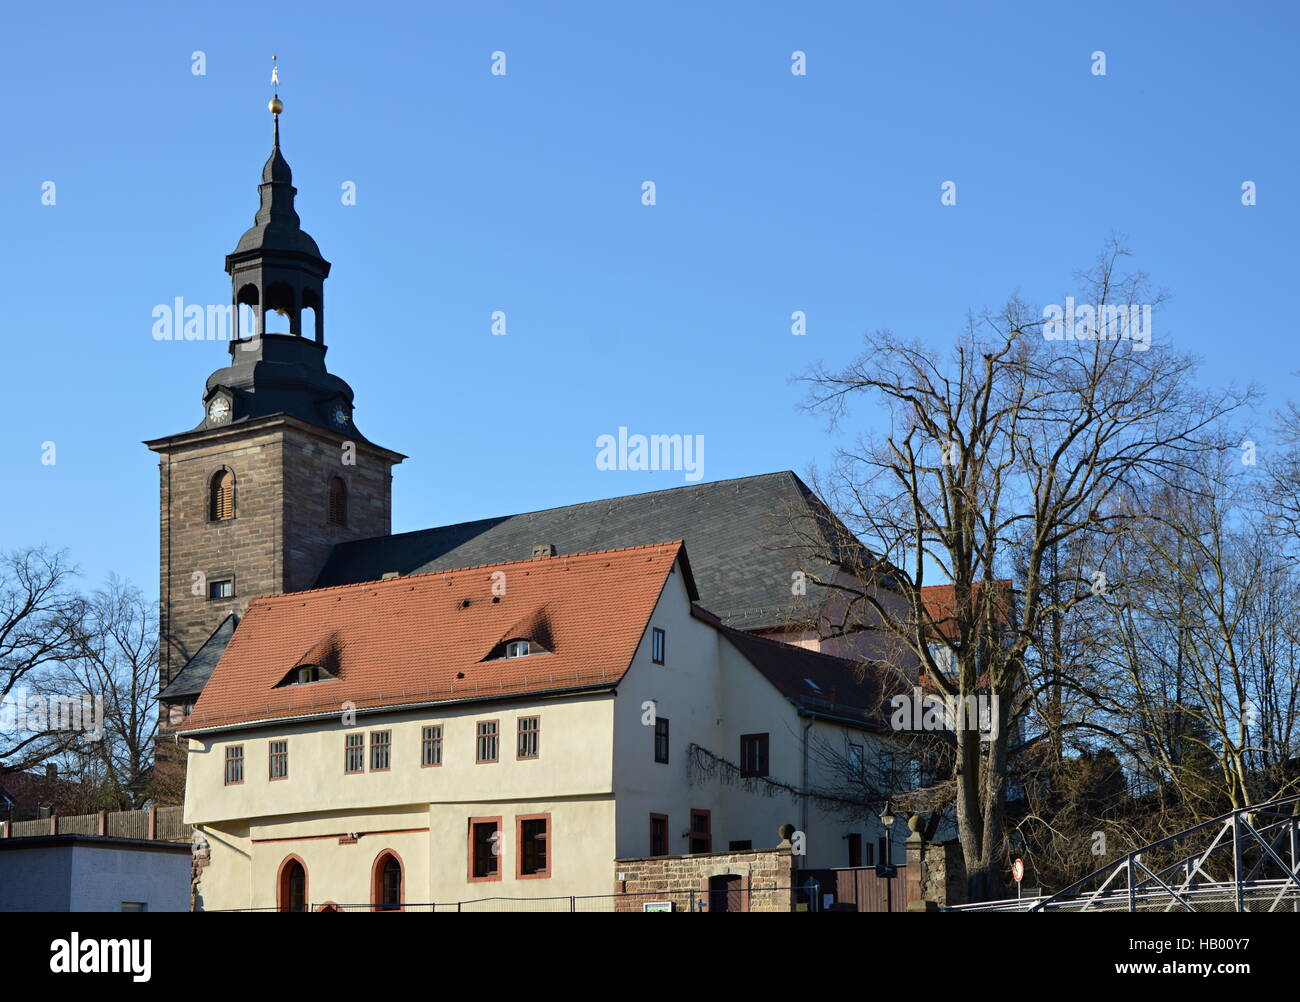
595 776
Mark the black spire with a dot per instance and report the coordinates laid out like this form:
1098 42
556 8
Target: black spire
276 265
277 269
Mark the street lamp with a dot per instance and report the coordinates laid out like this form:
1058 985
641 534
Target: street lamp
886 867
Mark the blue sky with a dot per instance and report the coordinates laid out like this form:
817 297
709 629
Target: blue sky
522 193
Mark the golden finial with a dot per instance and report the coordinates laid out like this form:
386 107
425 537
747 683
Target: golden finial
275 104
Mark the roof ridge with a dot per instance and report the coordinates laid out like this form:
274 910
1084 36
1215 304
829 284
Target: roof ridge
678 544
575 504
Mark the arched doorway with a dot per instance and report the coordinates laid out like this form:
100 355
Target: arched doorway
388 882
291 891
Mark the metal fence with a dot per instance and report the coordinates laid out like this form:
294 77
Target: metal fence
749 899
1248 860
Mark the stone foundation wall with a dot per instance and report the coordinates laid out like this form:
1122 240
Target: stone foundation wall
767 877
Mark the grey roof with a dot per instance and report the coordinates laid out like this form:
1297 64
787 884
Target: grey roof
743 538
191 679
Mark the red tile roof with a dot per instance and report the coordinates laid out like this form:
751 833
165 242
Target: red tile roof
940 603
424 638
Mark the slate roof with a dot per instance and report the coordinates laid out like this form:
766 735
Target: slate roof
742 535
811 680
191 679
428 638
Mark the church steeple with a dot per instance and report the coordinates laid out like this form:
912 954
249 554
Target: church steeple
276 265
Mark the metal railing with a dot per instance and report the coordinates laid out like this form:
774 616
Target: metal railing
768 899
1245 860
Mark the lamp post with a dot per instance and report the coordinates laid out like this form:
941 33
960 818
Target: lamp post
887 818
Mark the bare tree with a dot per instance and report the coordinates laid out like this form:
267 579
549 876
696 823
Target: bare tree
116 662
1014 445
39 617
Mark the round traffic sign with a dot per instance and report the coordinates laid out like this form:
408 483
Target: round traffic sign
1018 870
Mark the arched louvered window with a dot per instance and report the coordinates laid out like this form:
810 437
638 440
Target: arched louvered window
221 496
338 506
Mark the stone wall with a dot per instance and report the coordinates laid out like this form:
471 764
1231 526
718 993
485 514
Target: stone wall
278 540
936 874
767 878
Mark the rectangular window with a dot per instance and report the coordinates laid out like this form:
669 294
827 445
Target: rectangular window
533 842
485 848
354 755
135 906
486 745
380 746
870 859
234 764
279 759
856 772
221 589
657 646
530 731
431 746
855 849
701 835
661 739
658 834
746 845
753 755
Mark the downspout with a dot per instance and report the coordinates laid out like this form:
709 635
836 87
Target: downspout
803 783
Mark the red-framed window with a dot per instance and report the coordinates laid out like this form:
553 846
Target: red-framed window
701 831
354 753
485 849
530 737
278 759
234 765
487 741
532 845
431 745
658 834
381 750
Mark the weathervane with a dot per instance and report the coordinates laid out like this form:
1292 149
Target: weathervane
275 104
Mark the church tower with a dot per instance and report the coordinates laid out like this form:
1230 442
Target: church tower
275 474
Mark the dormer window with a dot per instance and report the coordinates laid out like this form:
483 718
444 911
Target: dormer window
517 647
306 674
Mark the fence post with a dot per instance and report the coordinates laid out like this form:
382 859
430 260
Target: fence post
153 823
573 903
54 823
4 829
103 822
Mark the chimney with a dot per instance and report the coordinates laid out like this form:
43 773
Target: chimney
51 770
543 550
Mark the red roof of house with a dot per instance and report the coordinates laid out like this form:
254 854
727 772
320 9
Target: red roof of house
940 603
425 638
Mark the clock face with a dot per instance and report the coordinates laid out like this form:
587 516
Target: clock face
219 411
340 415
